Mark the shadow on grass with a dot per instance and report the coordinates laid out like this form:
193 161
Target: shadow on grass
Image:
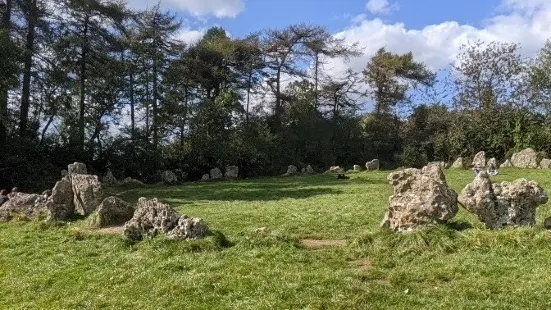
270 189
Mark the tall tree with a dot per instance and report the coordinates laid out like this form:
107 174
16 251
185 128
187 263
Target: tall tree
8 67
390 76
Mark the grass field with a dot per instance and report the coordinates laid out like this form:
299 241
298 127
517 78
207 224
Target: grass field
459 266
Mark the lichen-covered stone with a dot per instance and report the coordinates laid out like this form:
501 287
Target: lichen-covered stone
479 160
506 164
216 174
372 165
545 163
61 201
459 163
112 211
232 172
527 158
169 177
310 170
26 206
291 170
357 168
421 197
88 193
205 177
153 217
504 204
109 178
77 168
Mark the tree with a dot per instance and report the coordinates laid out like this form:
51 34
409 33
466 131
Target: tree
390 76
540 80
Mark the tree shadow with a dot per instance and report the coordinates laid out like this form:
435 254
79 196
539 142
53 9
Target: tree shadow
272 189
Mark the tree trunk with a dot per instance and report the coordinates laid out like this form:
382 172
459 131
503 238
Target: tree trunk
249 93
132 108
5 29
316 81
83 54
155 123
28 63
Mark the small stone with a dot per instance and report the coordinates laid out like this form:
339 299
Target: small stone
112 211
357 168
232 172
216 174
372 165
77 168
169 177
479 160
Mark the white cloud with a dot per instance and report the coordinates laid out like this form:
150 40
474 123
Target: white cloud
190 36
199 8
519 21
381 6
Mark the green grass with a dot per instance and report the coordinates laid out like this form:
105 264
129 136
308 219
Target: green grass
459 266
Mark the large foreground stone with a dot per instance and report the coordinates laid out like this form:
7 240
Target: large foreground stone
28 206
61 201
420 197
527 158
112 211
505 204
88 193
153 217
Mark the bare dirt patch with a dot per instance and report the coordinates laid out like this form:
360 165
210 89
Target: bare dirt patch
321 243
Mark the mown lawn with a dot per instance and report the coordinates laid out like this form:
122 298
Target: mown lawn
458 266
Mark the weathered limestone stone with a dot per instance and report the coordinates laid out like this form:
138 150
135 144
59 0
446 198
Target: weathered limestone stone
459 163
545 163
309 170
291 170
61 203
64 173
77 168
153 217
109 178
479 160
547 223
421 197
168 177
129 180
506 164
216 174
188 228
492 163
336 169
372 165
112 211
527 158
232 172
441 164
88 193
205 177
28 206
506 204
357 168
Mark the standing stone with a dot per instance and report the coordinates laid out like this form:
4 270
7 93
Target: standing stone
459 163
527 158
88 193
232 172
357 168
28 206
64 173
153 217
420 197
205 177
169 177
291 170
545 163
61 202
492 163
506 204
336 169
479 160
547 223
216 174
112 211
372 165
309 170
109 178
77 168
506 164
441 164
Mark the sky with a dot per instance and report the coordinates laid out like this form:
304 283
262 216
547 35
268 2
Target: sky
433 30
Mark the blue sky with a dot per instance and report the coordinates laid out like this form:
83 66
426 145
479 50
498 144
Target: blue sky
434 30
